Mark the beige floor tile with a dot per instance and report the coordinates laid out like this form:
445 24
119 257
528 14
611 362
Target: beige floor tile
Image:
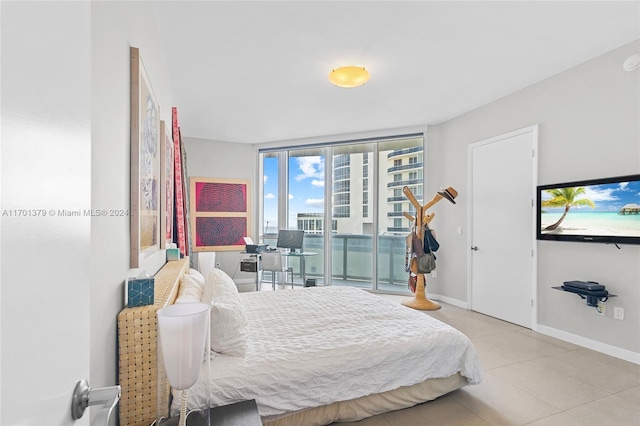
631 368
631 395
549 385
561 419
610 411
501 403
528 347
492 356
602 371
551 340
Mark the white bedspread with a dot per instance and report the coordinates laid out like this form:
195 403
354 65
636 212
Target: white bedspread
318 345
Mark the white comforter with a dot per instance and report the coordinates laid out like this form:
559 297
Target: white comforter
319 345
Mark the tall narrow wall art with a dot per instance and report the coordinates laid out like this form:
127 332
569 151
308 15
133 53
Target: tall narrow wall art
178 185
166 168
145 164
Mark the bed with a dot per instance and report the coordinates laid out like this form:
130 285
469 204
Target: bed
319 355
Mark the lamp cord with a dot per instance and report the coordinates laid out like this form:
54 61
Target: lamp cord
183 409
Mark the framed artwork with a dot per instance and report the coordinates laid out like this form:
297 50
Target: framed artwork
166 191
185 193
145 164
178 188
219 210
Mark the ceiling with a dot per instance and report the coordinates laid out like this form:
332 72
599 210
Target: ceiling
254 72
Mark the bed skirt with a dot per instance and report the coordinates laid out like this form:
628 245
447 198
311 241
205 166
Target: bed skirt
370 405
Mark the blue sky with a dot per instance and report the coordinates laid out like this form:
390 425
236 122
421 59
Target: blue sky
610 197
306 188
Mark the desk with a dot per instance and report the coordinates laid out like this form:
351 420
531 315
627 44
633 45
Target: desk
302 255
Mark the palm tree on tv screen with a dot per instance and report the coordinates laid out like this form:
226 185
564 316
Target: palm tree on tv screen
567 198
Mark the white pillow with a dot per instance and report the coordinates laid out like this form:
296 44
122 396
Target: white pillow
228 320
197 276
190 291
218 278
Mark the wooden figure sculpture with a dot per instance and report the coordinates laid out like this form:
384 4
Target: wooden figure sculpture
420 300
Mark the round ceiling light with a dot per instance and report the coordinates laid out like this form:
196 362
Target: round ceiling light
350 76
632 62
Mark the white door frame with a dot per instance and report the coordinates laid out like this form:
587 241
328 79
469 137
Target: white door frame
534 246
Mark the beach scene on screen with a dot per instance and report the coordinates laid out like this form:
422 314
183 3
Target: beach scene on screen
606 209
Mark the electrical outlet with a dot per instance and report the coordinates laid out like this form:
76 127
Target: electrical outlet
434 274
618 313
601 309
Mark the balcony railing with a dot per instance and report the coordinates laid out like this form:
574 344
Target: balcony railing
404 167
400 152
352 260
404 183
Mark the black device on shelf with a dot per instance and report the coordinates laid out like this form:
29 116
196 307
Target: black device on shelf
583 285
589 290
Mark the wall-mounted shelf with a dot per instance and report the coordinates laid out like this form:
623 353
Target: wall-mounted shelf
591 297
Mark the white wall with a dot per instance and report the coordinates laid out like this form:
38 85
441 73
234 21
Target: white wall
589 119
115 26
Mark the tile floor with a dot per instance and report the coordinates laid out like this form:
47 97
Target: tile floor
530 379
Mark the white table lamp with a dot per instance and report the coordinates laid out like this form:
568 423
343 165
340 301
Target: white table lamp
183 330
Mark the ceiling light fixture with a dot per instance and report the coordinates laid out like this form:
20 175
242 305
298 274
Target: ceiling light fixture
632 62
350 76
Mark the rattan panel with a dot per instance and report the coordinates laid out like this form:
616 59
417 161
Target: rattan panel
138 351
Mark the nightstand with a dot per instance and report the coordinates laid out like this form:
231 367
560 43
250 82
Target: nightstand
243 413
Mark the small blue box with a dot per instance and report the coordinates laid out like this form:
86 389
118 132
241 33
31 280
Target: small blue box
173 254
140 291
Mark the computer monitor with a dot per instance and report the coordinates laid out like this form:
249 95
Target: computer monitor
290 239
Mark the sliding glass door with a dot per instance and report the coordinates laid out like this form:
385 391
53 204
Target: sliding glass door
400 165
348 197
305 210
352 243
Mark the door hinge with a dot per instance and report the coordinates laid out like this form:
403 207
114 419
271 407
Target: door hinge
532 304
533 253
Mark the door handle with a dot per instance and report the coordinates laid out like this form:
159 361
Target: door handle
84 396
474 248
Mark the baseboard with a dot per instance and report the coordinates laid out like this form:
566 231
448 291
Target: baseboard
604 348
449 300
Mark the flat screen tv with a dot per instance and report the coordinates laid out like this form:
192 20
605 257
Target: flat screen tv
290 239
605 210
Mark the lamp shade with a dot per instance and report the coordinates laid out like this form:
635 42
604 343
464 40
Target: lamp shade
349 76
183 332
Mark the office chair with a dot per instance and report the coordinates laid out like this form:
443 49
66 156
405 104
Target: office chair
274 262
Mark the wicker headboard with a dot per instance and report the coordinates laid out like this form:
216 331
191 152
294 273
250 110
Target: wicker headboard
137 350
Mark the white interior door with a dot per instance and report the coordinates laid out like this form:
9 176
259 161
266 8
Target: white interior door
45 181
502 239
